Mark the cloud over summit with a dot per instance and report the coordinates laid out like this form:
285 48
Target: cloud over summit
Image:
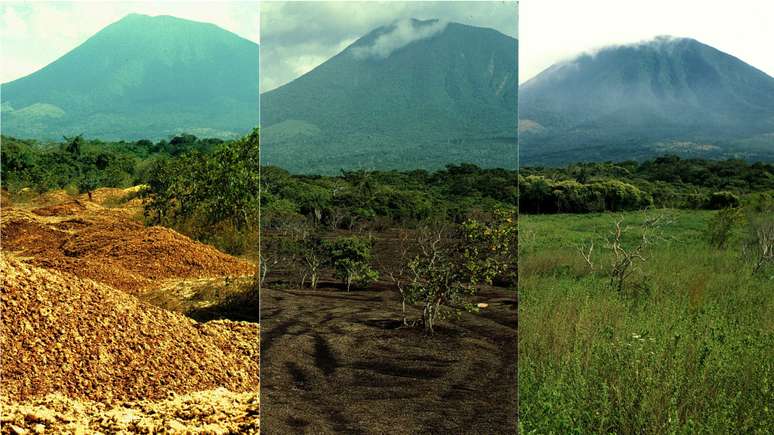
399 34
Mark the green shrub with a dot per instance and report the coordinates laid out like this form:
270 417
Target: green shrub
721 200
721 226
350 258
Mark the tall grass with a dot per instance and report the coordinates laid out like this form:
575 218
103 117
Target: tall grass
688 347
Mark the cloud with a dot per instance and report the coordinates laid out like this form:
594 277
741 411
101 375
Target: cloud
399 35
320 30
553 30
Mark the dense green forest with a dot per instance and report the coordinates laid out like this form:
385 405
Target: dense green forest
664 182
78 161
205 188
386 198
174 168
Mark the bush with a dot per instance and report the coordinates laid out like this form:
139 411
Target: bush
759 243
350 258
453 260
721 226
721 200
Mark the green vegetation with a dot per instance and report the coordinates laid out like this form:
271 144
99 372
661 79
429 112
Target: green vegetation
361 201
451 262
79 162
209 196
437 236
204 188
681 341
350 258
667 181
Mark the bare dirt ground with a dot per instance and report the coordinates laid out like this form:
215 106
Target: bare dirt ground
83 349
338 362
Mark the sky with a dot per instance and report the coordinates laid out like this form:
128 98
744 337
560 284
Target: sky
34 34
298 36
556 30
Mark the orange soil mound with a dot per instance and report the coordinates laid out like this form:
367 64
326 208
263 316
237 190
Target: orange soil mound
62 334
110 248
68 208
104 194
53 197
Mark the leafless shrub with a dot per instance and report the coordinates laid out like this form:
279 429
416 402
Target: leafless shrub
628 257
586 251
759 245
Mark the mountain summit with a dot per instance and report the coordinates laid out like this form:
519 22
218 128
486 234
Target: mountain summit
634 101
413 94
141 77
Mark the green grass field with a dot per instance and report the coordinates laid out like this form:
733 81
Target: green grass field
686 347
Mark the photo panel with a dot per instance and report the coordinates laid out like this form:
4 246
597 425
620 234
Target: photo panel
388 217
129 217
646 214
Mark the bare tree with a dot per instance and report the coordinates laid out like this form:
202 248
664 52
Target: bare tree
759 246
265 262
336 216
586 251
627 258
399 275
314 259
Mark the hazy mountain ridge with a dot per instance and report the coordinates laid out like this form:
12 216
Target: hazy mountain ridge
632 101
446 96
140 77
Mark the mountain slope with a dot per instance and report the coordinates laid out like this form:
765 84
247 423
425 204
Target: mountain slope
634 101
414 94
141 77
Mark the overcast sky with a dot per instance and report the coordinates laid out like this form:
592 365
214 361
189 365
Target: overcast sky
34 34
555 30
298 36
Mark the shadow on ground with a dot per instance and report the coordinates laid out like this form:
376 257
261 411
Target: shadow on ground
340 362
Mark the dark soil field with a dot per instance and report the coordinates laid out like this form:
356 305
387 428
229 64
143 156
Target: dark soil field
339 362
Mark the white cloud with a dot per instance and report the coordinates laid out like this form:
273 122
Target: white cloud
555 30
322 29
402 33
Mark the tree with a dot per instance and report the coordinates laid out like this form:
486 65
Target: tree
350 258
721 200
399 275
88 182
721 226
628 256
759 242
454 260
73 145
314 258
